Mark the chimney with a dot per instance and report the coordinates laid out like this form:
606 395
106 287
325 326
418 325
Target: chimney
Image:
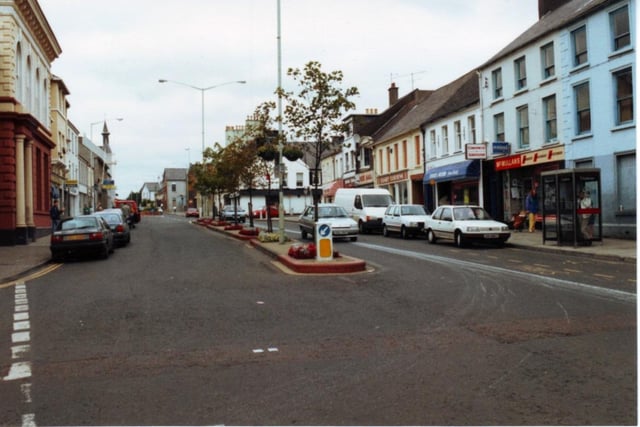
393 94
546 6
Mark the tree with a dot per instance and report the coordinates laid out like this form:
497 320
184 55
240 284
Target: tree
314 113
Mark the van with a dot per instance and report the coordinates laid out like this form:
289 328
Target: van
365 205
132 204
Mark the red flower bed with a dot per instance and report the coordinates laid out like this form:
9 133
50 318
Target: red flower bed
233 227
250 231
307 251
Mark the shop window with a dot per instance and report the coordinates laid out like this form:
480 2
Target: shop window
550 118
626 177
620 33
579 41
624 96
583 108
548 61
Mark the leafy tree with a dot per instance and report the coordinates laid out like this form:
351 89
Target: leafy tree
314 113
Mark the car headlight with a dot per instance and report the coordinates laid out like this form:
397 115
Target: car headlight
504 228
473 229
413 224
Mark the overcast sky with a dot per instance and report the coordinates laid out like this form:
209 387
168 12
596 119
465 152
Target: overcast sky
114 52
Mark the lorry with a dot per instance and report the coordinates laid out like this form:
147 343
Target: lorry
365 205
132 205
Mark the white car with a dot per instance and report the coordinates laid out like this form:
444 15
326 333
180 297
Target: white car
465 224
342 226
408 220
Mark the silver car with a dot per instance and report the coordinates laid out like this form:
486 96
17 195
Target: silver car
342 226
407 220
465 224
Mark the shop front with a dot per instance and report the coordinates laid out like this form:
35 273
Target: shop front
397 184
520 173
456 183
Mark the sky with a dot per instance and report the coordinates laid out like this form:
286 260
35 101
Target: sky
115 51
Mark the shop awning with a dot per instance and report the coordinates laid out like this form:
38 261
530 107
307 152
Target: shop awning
332 188
462 170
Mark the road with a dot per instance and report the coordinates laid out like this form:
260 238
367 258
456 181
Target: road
189 327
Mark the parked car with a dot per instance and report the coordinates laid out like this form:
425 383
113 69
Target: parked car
342 226
465 224
80 236
118 224
230 213
192 212
408 220
262 213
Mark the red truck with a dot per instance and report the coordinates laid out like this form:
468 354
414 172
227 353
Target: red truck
132 204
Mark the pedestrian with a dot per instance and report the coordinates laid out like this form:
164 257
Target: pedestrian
55 212
586 217
531 207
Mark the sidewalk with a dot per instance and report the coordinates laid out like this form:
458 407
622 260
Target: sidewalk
15 261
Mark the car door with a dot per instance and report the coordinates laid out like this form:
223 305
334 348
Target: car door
391 218
443 225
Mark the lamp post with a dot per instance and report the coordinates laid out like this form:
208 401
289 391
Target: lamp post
102 121
202 91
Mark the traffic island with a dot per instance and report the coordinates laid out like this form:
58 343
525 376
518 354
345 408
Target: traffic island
339 264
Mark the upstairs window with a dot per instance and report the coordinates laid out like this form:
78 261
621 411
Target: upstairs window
471 123
583 108
520 73
496 79
548 61
550 118
624 96
523 126
620 28
433 143
498 125
445 140
458 135
579 40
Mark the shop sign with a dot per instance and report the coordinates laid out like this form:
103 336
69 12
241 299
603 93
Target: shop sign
71 183
475 151
364 178
552 154
393 177
500 148
108 184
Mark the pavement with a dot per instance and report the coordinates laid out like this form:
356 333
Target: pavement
21 260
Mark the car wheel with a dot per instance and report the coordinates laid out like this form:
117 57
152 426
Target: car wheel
431 237
105 252
56 257
385 231
361 227
403 232
354 238
459 239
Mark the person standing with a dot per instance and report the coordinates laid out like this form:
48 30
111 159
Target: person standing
531 206
586 218
55 212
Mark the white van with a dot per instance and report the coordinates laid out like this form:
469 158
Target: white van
365 205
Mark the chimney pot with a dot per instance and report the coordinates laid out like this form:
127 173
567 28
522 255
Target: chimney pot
393 94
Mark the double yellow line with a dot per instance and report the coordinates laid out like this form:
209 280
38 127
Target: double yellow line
46 270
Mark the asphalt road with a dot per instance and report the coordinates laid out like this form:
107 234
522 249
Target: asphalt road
189 327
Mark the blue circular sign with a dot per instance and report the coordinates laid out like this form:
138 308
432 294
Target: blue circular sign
324 230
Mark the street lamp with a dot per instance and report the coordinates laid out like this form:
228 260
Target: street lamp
202 91
102 121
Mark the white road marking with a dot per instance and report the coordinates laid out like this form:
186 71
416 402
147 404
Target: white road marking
18 337
19 351
19 370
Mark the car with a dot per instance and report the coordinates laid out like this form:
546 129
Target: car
408 220
118 224
236 214
262 213
81 236
342 226
465 224
192 212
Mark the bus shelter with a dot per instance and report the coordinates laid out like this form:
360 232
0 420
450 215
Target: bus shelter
571 206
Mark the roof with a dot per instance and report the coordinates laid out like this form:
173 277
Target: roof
175 174
151 186
445 100
550 22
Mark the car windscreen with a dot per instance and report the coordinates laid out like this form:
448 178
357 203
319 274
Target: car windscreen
79 223
112 218
376 200
413 210
332 212
470 213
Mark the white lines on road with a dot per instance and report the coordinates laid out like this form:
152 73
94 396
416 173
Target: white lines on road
261 350
536 279
20 338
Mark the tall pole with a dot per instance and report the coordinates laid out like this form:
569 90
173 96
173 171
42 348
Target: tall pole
280 142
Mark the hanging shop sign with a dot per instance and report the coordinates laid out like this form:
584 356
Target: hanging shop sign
475 151
546 155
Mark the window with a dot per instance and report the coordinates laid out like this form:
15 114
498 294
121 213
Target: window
366 157
548 61
626 177
404 154
299 179
624 96
620 28
173 187
550 118
471 123
458 135
583 109
520 73
445 140
498 125
579 39
396 166
496 78
523 126
418 153
433 143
